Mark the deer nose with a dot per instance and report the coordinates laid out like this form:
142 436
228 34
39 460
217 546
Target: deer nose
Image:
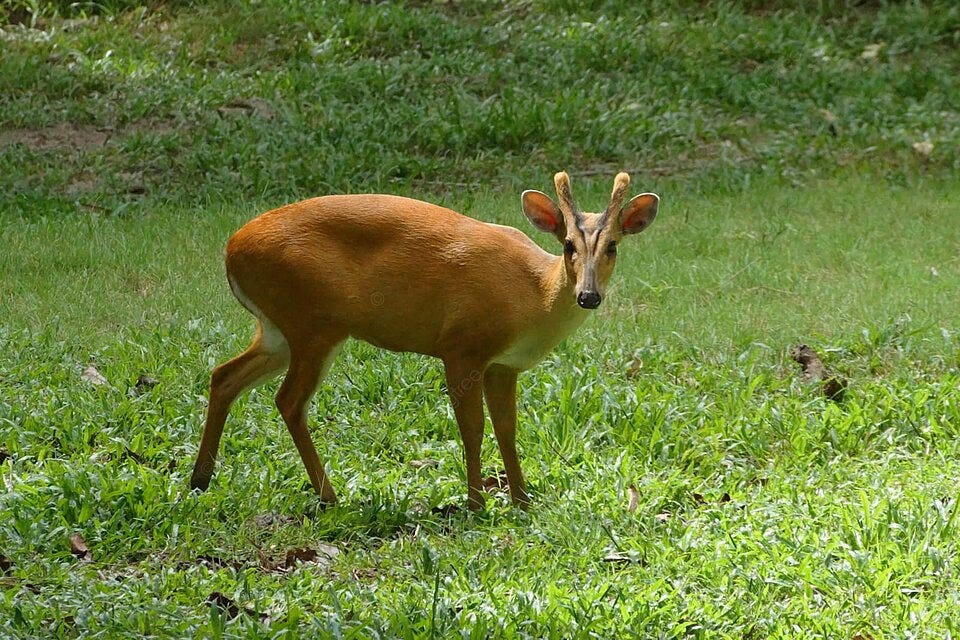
588 299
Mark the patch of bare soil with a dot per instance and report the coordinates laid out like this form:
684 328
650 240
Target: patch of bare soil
82 137
57 136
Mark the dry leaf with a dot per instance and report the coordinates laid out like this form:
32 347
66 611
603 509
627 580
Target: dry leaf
496 483
813 368
831 119
296 556
446 510
368 573
248 106
92 376
663 517
618 557
323 556
267 563
133 455
833 387
5 564
264 520
213 562
923 148
144 384
4 456
231 608
871 51
633 499
78 547
420 464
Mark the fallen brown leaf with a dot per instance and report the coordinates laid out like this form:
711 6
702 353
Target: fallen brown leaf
633 499
78 547
616 556
368 573
446 510
231 608
420 464
323 556
264 520
133 455
5 564
833 387
923 148
621 557
212 562
871 51
92 376
496 483
663 517
247 106
144 384
813 368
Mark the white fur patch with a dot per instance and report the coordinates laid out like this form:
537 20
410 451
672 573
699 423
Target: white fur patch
271 340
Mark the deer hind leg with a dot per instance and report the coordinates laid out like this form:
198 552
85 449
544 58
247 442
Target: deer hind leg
465 387
265 356
500 390
308 365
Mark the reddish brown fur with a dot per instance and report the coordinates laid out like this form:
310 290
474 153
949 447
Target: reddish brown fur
404 275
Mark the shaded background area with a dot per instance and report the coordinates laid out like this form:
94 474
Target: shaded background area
105 105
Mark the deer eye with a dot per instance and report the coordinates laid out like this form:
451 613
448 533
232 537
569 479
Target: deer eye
612 248
568 247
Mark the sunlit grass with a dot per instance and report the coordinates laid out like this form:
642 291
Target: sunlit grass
762 508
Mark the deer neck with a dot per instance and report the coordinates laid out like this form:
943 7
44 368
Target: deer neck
557 317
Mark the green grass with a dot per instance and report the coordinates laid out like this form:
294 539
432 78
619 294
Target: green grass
840 519
447 97
763 510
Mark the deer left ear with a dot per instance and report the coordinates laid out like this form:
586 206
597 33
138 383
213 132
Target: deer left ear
637 214
542 212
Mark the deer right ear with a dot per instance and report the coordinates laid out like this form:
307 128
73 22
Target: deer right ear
637 214
542 212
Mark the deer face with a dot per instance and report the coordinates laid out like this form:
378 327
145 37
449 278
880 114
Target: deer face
590 240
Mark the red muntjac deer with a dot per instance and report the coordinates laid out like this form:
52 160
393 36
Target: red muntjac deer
411 276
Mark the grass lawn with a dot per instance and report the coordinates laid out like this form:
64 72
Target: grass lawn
685 482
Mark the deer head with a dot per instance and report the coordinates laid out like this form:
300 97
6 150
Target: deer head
589 239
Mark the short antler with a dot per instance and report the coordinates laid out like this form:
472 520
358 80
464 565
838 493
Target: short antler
567 204
620 185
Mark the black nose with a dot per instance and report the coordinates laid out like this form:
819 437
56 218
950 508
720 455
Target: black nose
588 299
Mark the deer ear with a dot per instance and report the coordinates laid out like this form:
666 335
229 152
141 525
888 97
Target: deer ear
541 211
637 214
